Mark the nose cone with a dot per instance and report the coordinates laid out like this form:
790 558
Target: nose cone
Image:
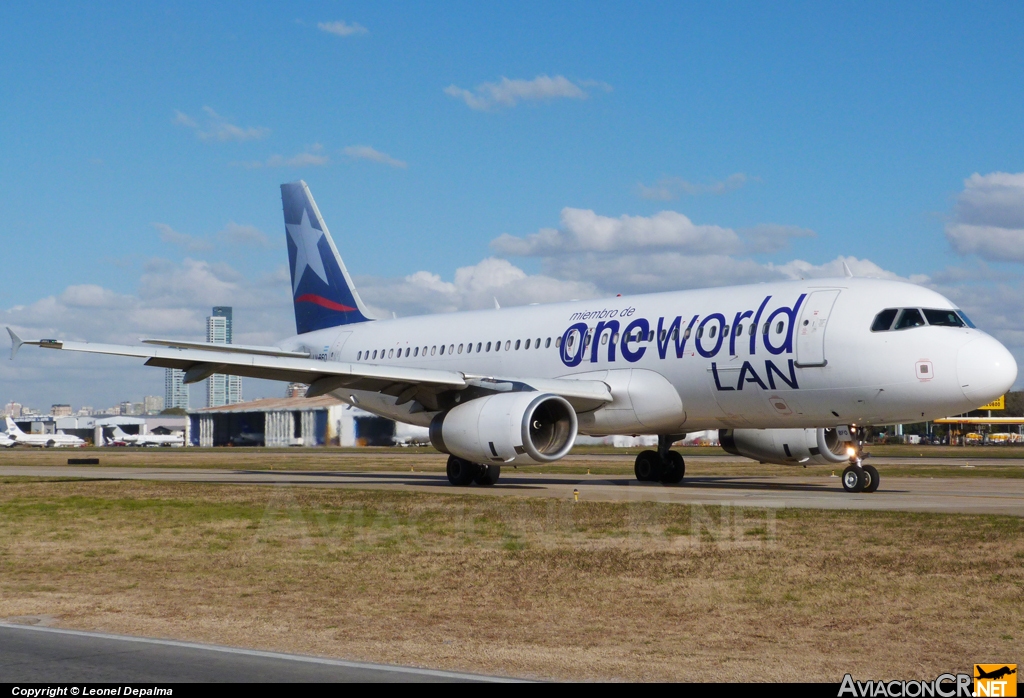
985 369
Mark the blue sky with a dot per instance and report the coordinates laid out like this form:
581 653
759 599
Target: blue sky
143 146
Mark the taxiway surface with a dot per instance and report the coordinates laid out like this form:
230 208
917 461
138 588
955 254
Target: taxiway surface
51 655
981 495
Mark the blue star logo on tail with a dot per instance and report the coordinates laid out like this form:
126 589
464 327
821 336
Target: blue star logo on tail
307 254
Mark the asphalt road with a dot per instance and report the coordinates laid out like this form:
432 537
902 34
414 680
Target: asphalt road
982 495
30 654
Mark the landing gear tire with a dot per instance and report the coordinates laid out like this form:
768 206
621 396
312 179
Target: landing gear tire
648 466
674 468
487 475
461 472
854 479
872 478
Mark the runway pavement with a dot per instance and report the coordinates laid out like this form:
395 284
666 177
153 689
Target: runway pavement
982 495
30 654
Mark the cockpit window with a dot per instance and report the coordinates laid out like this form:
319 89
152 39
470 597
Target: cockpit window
910 317
967 320
883 321
943 318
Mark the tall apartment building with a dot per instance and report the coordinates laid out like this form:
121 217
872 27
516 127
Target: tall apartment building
175 390
220 389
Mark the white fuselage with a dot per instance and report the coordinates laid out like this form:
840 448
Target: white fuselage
18 437
819 364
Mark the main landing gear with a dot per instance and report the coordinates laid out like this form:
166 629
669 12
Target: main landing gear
664 465
860 478
463 473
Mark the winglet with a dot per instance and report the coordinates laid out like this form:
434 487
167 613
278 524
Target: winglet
15 343
846 270
496 305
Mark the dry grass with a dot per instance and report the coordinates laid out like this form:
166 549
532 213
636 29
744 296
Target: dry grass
526 587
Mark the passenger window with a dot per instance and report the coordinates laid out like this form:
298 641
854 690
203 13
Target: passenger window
508 344
558 342
778 327
527 344
883 321
478 345
604 338
359 356
753 329
686 333
711 334
433 349
488 346
451 349
725 331
416 351
910 317
650 336
700 332
460 348
675 334
374 353
943 318
764 330
739 330
469 348
442 349
536 343
661 337
547 343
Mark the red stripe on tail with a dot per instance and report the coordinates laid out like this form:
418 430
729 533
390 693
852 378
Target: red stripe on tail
322 302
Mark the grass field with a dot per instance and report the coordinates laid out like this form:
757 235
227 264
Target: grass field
524 587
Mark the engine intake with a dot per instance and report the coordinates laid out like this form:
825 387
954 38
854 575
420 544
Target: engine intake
788 446
529 426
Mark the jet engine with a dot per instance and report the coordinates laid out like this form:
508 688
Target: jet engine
789 446
529 426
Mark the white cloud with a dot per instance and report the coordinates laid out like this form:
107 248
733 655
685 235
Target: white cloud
313 156
232 233
669 188
508 93
218 128
342 29
473 287
582 230
988 218
365 152
184 240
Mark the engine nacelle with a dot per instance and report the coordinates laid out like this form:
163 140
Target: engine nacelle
528 426
789 446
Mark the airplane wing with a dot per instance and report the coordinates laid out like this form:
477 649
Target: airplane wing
433 389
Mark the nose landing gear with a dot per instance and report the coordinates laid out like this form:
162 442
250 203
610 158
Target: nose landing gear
860 478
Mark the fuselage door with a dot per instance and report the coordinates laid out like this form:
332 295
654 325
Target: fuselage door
810 328
336 346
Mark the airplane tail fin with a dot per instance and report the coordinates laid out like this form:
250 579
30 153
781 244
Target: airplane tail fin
322 290
12 428
16 343
118 433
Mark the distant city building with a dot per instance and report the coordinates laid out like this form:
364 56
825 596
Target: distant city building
60 410
175 389
220 389
84 411
296 390
129 408
151 404
12 409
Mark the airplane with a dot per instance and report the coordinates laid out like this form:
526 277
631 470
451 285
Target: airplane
6 442
175 439
58 440
995 674
789 372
